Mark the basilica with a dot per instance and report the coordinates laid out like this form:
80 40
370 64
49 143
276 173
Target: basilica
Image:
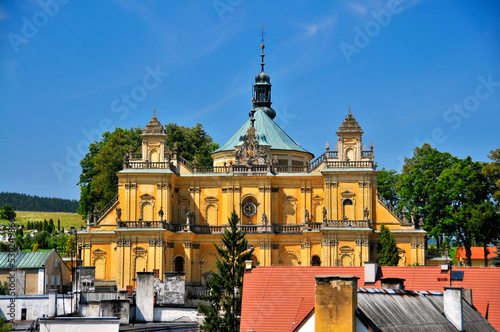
297 210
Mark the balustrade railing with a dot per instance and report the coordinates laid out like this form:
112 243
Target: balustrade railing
288 229
250 229
148 164
346 223
350 164
142 224
398 214
106 209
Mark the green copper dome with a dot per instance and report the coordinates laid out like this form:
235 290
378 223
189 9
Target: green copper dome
269 133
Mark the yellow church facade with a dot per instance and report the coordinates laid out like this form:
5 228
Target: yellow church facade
296 210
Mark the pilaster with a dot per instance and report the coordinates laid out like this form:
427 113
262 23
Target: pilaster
335 202
305 253
188 250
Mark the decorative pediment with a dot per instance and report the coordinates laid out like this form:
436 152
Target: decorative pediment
147 197
346 248
347 193
140 250
211 199
99 252
317 198
290 199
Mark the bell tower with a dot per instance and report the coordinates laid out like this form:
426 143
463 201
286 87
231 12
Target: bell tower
262 88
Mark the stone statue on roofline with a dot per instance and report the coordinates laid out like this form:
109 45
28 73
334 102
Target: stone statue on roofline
118 214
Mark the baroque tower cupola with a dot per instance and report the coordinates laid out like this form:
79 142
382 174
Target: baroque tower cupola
153 141
350 141
262 88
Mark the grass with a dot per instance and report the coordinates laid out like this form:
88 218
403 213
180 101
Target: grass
67 219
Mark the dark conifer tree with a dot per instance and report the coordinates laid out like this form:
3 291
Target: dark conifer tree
227 282
387 250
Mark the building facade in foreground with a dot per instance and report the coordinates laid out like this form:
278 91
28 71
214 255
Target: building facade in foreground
296 210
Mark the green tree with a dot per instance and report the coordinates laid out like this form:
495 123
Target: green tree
467 189
191 142
7 212
227 282
417 187
98 180
486 225
492 171
58 225
35 247
387 249
4 290
4 326
71 244
496 260
386 185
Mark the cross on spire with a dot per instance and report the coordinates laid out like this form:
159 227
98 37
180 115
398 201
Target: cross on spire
262 47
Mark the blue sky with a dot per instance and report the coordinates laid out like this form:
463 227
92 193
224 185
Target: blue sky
412 71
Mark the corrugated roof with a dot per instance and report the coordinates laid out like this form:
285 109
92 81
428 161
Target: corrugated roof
275 298
25 259
401 311
274 135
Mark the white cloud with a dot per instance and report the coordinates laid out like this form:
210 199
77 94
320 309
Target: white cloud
357 8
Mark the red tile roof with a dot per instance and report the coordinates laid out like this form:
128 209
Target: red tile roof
476 253
279 298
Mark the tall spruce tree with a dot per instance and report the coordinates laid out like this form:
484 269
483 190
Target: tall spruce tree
387 250
227 282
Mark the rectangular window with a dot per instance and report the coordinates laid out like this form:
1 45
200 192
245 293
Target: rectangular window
58 280
52 280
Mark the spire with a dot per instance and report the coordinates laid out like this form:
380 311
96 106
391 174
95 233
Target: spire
154 127
350 124
262 87
262 55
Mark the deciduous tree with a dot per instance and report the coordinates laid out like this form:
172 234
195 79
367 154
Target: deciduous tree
466 188
386 185
417 187
7 212
492 171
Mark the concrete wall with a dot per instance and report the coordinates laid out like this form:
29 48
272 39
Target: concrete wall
145 297
75 324
175 314
36 305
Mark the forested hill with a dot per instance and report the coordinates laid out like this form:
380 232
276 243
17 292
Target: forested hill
23 202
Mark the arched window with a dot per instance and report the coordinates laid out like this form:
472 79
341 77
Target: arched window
315 261
179 264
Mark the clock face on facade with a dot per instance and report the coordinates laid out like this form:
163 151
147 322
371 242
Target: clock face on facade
249 209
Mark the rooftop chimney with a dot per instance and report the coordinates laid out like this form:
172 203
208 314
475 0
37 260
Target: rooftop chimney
393 283
453 307
248 264
371 272
336 303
